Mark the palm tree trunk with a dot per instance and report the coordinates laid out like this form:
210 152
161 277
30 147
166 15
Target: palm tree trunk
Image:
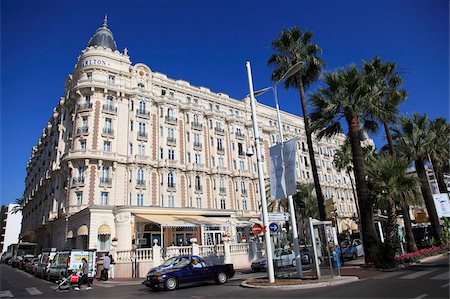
353 189
428 199
437 166
320 199
370 237
391 234
410 241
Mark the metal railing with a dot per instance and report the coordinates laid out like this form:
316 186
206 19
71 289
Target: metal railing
109 108
82 130
196 126
78 181
105 181
171 120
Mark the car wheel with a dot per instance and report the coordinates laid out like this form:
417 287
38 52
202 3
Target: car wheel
221 278
354 256
294 262
171 284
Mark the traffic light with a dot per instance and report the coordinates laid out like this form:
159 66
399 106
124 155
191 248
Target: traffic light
330 209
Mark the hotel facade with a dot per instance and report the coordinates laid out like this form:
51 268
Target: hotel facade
132 158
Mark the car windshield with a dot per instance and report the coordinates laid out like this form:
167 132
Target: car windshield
345 244
170 262
183 262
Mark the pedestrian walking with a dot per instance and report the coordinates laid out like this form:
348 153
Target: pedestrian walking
106 265
111 267
84 277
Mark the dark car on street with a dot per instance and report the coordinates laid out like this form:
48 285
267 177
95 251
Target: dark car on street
187 269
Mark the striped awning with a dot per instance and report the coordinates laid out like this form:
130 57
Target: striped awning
83 230
104 230
183 220
70 234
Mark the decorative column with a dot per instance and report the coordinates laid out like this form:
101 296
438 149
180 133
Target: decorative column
123 230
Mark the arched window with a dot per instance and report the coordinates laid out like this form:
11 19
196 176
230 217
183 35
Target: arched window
170 112
140 175
196 119
170 181
142 106
198 185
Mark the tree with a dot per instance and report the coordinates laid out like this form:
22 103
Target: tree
19 205
439 150
354 97
391 188
413 140
291 47
389 81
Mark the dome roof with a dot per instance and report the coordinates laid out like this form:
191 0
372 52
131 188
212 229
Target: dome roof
103 37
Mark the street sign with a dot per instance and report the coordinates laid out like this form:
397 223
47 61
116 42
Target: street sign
442 204
273 227
256 229
278 217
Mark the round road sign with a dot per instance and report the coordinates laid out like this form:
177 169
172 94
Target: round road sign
273 227
256 229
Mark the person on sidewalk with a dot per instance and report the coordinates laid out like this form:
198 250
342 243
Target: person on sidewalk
84 278
111 267
106 265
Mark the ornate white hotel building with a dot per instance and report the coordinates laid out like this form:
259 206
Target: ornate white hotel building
130 155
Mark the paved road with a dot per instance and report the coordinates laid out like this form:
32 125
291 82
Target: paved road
430 280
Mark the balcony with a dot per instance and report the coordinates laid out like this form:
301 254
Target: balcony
223 191
109 109
219 131
77 181
142 113
105 182
171 141
140 184
196 126
84 107
197 146
83 130
108 132
171 187
198 189
171 120
220 150
240 135
142 136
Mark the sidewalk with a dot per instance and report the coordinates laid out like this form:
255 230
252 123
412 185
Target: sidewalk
121 281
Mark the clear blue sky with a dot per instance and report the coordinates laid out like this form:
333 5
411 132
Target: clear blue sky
207 44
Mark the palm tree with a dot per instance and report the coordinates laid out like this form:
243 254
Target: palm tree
439 151
389 81
413 140
19 205
291 47
390 188
305 201
352 96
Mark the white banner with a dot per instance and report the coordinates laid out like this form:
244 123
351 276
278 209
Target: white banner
283 178
442 204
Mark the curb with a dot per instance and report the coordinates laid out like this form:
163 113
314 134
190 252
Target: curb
432 258
338 281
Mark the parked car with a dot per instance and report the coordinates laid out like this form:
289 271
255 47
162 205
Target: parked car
6 256
352 249
24 260
281 258
30 266
188 269
67 262
45 259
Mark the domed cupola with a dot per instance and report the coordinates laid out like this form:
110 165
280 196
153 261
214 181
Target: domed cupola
103 37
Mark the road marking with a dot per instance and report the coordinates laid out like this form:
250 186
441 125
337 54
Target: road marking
421 296
445 285
442 276
390 274
6 294
33 291
416 274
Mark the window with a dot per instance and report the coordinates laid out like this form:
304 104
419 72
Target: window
198 159
140 200
219 144
103 242
105 171
161 180
243 188
242 165
140 176
196 121
221 161
187 136
79 196
170 133
222 204
106 146
131 126
104 198
198 185
163 92
189 157
171 154
161 112
161 131
111 79
131 105
240 149
199 202
170 112
81 172
196 138
161 153
82 144
130 148
109 102
170 180
142 108
244 204
141 86
213 161
89 76
141 149
141 128
171 201
84 121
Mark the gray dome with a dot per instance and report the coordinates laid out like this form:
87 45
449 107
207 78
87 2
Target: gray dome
103 37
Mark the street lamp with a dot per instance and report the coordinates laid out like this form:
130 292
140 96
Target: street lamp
290 72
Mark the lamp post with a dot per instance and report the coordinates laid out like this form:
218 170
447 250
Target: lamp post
269 254
291 71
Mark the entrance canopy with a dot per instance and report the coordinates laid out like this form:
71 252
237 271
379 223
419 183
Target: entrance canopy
182 220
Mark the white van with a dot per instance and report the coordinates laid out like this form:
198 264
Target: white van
67 262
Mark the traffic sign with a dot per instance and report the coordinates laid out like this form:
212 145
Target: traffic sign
278 217
257 229
273 227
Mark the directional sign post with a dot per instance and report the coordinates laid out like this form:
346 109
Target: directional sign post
273 227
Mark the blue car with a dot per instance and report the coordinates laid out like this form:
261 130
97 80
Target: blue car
352 249
186 269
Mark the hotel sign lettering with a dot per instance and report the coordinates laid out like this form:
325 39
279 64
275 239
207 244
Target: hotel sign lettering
94 62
